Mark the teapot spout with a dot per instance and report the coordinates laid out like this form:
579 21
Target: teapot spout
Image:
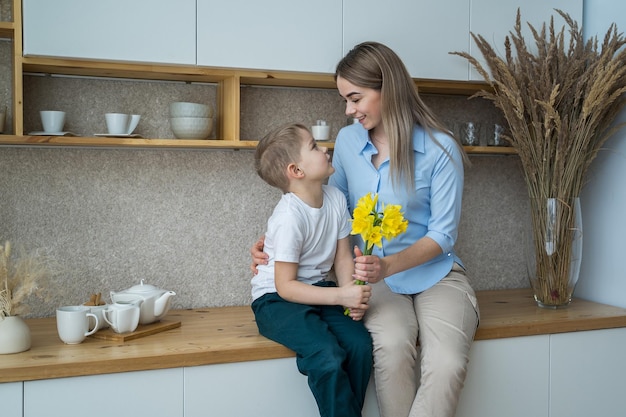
161 304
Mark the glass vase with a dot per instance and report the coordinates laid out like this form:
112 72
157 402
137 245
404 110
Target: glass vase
554 243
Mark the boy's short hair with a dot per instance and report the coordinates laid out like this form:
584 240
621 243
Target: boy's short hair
276 151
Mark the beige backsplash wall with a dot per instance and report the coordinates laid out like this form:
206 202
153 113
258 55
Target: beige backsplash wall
185 219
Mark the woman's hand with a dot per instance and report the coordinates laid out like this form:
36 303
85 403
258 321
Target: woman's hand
356 314
369 268
258 256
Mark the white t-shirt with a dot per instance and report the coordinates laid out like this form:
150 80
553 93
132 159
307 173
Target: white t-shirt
304 235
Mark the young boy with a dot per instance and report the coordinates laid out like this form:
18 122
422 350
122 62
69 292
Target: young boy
294 302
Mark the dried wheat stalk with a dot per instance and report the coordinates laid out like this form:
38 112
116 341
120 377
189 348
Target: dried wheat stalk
22 278
560 103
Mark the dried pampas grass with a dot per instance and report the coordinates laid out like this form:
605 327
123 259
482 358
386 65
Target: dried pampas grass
21 278
560 103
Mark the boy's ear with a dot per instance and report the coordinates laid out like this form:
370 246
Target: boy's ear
293 171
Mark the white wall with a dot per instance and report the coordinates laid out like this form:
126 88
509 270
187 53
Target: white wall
603 278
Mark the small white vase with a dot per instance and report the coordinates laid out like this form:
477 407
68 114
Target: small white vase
14 335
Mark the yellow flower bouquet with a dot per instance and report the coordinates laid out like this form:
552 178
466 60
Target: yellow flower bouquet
374 226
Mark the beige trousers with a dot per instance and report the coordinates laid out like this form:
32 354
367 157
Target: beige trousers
444 319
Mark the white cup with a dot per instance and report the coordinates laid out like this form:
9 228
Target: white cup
73 323
52 120
320 132
121 123
98 311
122 317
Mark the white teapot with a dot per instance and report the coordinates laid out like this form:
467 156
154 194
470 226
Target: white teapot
155 302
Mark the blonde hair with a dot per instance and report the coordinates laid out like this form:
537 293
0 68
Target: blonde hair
274 153
374 65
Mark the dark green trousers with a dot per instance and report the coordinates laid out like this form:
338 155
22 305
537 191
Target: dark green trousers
332 350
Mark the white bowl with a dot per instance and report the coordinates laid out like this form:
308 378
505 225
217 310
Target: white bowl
191 127
184 109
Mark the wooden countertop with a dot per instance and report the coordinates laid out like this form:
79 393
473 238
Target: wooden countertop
229 334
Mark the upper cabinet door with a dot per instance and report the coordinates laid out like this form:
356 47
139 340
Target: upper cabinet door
495 19
292 35
421 32
162 31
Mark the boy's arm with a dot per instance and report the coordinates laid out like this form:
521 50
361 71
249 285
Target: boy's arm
289 288
344 269
344 264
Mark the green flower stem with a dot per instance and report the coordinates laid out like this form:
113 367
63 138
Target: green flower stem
367 251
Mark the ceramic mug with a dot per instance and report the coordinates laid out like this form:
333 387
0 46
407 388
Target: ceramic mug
73 323
320 132
52 120
121 123
98 311
122 317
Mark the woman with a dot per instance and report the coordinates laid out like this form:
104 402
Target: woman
420 292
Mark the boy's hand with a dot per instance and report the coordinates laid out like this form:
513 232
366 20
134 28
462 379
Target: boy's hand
355 296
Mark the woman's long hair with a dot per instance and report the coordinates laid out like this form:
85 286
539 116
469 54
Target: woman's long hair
374 65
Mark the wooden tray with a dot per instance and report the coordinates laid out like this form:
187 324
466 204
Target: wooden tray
142 330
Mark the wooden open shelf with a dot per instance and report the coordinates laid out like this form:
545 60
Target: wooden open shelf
228 80
181 143
6 30
123 142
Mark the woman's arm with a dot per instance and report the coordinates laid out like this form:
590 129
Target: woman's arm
446 185
373 269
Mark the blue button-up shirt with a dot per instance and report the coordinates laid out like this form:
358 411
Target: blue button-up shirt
433 208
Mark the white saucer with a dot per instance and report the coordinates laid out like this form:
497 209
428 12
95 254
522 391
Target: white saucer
52 134
108 135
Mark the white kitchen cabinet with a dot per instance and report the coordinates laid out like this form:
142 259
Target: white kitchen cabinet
156 393
575 374
11 399
507 377
161 31
421 32
291 35
272 387
588 373
260 388
495 19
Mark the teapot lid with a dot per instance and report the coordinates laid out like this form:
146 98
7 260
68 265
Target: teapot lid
141 287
